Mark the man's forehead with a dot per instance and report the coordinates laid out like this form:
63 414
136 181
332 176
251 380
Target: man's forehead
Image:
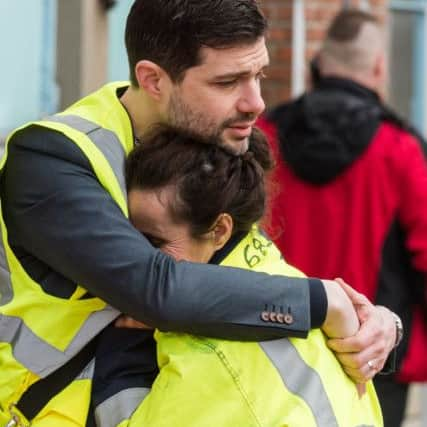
235 59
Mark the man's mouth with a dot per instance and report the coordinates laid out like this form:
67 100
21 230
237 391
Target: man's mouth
242 130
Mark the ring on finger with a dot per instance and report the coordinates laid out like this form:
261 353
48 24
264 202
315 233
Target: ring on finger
371 365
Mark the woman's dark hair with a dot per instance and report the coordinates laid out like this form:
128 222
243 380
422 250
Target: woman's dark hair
208 180
171 32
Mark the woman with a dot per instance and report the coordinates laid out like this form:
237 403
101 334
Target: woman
205 211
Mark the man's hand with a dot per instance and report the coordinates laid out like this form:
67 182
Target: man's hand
365 353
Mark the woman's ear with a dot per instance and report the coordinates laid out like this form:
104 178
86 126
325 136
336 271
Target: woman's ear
222 230
150 77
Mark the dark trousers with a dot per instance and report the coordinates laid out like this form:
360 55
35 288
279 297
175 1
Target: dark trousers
392 396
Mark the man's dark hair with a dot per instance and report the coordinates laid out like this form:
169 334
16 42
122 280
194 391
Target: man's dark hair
207 180
171 32
347 24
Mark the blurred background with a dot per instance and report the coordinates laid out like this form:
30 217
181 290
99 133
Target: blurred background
55 51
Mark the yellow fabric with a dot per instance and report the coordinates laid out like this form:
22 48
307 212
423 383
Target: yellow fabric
104 108
67 409
207 382
97 160
54 320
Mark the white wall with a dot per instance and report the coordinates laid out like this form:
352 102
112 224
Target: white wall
117 61
27 28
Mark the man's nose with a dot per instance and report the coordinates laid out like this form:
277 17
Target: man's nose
251 101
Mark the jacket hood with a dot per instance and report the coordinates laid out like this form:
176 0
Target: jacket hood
323 132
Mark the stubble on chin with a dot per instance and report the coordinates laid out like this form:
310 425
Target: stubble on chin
234 147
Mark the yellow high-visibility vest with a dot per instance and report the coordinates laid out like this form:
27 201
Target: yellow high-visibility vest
39 332
206 382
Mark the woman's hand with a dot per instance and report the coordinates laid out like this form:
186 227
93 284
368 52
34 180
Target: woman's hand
128 322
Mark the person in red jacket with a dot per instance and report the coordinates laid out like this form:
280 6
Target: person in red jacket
349 193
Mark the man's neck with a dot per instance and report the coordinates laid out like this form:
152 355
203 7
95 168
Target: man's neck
357 78
142 113
347 85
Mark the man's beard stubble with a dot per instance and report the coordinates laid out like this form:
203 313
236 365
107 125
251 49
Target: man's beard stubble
181 116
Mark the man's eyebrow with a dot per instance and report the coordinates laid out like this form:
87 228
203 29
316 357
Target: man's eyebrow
231 75
237 74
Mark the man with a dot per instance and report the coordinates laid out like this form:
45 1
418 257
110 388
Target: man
69 247
354 199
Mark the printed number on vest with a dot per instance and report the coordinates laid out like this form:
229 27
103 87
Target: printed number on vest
255 251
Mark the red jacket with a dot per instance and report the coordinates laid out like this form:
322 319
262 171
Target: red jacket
364 221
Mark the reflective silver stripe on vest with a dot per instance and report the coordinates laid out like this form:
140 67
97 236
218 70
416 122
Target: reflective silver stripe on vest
6 291
32 352
301 380
87 373
39 356
119 407
105 140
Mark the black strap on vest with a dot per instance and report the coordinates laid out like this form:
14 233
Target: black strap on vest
39 394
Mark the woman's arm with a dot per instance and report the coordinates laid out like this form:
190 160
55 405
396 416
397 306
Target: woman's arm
341 318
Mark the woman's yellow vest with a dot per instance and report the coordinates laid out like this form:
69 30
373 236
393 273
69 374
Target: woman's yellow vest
39 332
293 382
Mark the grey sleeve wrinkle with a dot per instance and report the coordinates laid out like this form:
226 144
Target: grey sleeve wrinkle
57 212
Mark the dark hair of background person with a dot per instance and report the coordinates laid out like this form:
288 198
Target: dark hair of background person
345 27
171 32
347 24
208 180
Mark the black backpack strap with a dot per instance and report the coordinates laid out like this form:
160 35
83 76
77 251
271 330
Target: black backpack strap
39 394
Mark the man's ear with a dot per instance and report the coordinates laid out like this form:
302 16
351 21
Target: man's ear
150 77
380 67
380 74
222 230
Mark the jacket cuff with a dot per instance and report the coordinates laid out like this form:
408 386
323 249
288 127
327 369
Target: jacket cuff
318 303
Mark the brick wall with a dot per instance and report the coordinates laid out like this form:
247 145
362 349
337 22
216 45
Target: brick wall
318 14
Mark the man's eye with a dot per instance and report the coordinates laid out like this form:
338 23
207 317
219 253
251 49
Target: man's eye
227 83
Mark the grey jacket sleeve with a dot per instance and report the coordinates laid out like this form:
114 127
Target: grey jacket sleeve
60 218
